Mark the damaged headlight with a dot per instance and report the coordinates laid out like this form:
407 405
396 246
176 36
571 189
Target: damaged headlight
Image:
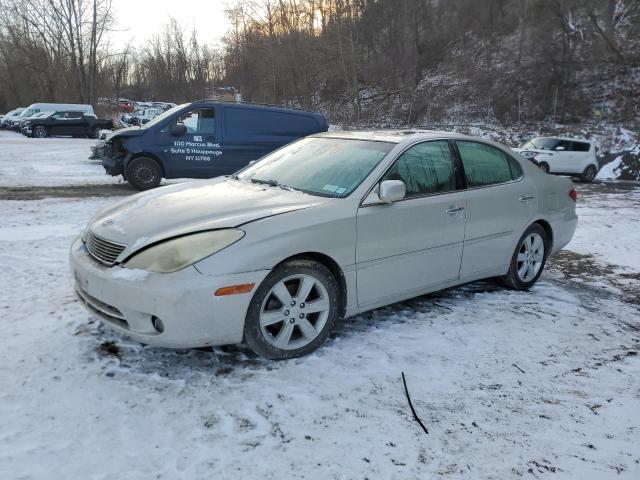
178 253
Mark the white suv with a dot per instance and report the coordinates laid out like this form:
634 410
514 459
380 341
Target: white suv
563 156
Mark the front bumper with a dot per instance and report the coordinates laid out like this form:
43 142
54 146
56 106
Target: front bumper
184 301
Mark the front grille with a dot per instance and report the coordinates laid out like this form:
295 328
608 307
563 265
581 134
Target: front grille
103 250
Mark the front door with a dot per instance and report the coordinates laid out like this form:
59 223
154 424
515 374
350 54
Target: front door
195 154
500 204
562 159
413 245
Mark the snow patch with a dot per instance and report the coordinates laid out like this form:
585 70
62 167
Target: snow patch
36 232
611 169
131 274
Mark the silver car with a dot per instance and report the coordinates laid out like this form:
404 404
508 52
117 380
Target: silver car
324 228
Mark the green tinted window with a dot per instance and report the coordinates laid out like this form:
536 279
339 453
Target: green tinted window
424 168
483 164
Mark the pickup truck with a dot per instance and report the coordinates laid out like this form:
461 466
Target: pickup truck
67 123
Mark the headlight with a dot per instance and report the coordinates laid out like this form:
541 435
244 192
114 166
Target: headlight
176 254
529 154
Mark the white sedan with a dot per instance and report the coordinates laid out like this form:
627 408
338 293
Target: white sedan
324 228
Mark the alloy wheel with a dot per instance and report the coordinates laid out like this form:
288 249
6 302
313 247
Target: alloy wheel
530 257
294 312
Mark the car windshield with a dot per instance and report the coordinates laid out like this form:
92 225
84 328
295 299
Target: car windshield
166 114
329 167
541 143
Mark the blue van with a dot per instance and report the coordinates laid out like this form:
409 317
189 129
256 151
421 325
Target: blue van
203 139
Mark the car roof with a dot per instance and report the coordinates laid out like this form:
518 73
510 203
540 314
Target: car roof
569 139
391 136
261 106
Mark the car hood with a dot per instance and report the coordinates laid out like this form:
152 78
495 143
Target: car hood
167 212
127 132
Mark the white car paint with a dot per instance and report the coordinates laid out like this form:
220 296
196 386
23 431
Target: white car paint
385 252
561 155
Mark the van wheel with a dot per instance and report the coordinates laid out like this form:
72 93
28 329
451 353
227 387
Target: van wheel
143 173
40 132
589 174
544 166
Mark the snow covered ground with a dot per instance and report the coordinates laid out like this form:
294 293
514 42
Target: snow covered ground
543 384
48 161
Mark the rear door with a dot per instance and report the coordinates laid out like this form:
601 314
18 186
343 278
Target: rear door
251 133
196 154
500 204
413 245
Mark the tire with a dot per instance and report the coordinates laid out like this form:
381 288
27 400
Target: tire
269 319
95 133
40 132
143 173
589 174
519 276
544 166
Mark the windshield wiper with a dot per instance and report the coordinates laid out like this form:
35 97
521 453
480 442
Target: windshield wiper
272 183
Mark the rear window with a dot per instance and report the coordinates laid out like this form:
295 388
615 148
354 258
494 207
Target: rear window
486 165
248 121
580 147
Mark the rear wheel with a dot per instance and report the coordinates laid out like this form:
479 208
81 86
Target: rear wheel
95 133
544 166
293 311
143 173
528 260
40 132
589 174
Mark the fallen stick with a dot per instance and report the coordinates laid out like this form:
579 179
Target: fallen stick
521 370
415 415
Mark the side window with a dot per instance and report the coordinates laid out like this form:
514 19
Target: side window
74 115
580 147
484 164
563 145
200 120
425 168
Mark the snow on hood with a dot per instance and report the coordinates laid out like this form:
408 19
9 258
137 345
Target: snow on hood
191 207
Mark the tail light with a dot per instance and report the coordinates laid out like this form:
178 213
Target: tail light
573 195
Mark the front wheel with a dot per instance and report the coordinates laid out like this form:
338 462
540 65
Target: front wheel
544 166
589 174
143 173
528 260
293 311
40 132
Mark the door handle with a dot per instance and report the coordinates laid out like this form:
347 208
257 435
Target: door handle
454 210
526 198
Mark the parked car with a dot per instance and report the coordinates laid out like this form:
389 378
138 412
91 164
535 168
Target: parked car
41 107
204 139
327 227
25 123
563 156
4 123
125 105
68 123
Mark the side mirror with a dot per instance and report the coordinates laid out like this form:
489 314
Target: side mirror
178 130
392 191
